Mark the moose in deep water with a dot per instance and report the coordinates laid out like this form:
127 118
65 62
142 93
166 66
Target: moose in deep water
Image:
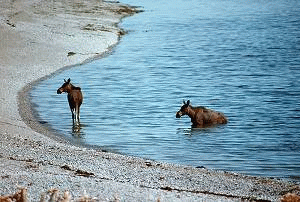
74 97
200 116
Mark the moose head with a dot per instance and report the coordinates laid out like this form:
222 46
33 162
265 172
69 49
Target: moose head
183 110
65 87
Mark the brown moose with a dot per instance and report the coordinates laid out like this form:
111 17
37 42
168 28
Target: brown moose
200 116
74 97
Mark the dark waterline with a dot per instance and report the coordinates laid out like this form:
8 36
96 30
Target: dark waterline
238 58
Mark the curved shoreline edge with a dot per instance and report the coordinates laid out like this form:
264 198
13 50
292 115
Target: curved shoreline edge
31 117
36 158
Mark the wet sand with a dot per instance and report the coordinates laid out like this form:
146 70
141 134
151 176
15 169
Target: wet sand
37 39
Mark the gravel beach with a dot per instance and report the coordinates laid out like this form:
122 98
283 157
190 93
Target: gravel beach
42 37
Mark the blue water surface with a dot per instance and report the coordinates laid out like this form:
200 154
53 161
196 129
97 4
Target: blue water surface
238 57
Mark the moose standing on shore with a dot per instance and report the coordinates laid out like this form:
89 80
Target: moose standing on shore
200 116
74 97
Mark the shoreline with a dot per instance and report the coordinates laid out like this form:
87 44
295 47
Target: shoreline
30 116
35 158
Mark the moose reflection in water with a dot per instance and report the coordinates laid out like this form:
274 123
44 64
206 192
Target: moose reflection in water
75 99
200 116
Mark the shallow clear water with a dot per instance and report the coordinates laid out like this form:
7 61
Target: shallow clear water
240 58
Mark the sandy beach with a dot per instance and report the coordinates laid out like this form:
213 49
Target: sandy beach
39 38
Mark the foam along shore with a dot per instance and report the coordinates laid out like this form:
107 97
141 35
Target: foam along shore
40 37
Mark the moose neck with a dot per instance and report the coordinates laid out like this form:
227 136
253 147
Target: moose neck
70 88
191 113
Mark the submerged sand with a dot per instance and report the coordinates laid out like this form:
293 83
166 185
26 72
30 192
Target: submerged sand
39 38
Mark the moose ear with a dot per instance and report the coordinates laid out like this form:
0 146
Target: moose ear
184 102
188 102
69 80
65 80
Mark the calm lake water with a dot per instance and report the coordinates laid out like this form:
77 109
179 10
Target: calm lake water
238 57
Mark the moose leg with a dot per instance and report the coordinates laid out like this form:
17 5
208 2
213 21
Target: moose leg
76 116
73 115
